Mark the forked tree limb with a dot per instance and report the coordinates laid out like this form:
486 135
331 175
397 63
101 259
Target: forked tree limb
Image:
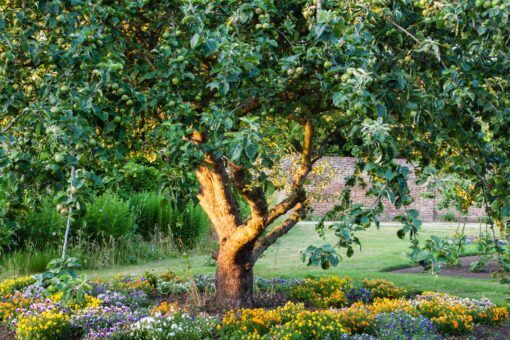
297 194
254 196
248 233
270 238
215 195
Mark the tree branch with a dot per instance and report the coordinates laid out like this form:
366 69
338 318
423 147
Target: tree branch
270 238
251 105
298 194
215 195
11 123
253 196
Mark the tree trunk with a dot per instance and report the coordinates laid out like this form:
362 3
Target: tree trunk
234 279
240 241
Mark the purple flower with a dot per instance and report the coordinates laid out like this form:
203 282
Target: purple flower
103 321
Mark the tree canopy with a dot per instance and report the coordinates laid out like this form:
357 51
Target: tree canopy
228 88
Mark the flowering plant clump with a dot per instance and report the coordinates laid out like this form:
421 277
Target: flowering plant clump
88 301
384 289
166 308
448 316
102 322
392 305
255 321
358 294
457 315
15 284
291 321
401 325
132 298
128 282
310 325
170 276
357 319
323 292
11 303
178 326
49 324
491 316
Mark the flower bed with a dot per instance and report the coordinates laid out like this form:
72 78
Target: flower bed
153 307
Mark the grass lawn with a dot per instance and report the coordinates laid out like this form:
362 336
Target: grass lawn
381 250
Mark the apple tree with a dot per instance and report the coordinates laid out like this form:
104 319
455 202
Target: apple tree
228 88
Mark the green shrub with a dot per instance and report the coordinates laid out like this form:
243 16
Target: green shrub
108 215
449 217
8 225
41 225
138 177
152 213
187 224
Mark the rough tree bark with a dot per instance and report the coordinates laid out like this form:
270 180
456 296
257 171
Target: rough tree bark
241 243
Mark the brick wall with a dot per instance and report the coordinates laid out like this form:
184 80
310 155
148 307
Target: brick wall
326 183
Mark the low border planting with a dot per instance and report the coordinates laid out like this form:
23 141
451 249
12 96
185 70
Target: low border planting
154 307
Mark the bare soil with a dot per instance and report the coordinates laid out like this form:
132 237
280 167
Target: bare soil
204 303
462 269
486 332
6 333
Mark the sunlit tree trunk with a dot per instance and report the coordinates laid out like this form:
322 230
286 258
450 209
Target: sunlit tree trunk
234 279
241 243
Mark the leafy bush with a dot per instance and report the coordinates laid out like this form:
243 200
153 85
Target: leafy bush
61 276
188 222
449 217
152 213
108 215
138 177
401 325
40 225
7 224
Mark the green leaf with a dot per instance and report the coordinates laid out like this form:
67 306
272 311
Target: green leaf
211 46
194 40
251 151
339 98
236 151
